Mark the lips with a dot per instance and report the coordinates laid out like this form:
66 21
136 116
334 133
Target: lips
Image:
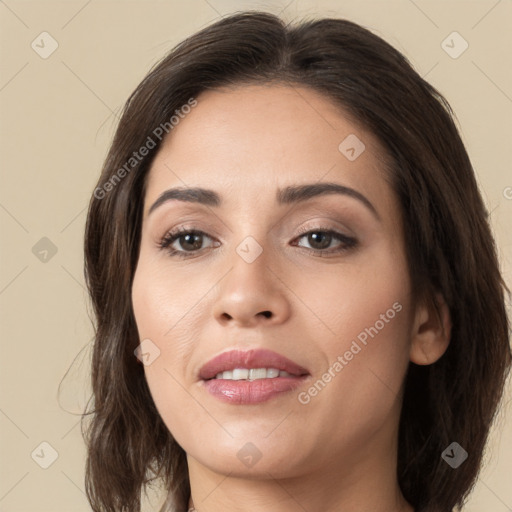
248 359
252 392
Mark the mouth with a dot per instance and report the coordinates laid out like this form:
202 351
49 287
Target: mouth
250 365
250 377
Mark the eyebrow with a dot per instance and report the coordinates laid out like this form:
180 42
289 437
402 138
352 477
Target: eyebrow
288 195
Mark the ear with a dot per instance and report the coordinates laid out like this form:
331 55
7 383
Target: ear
431 332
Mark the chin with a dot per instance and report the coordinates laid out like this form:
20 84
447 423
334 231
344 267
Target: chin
257 458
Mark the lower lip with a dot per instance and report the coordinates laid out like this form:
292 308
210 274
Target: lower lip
251 392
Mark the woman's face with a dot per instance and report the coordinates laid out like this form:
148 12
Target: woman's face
337 305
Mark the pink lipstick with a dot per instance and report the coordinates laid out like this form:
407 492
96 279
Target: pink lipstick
252 376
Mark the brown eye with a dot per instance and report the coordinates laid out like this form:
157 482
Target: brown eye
320 240
184 241
190 241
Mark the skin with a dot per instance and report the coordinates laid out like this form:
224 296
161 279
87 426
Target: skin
245 143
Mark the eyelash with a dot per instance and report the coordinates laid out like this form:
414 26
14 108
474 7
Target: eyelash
171 237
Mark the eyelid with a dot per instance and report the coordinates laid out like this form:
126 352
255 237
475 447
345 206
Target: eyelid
327 224
319 225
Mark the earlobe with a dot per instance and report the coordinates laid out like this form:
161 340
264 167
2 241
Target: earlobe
431 332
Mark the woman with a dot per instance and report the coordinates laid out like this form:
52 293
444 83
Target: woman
297 295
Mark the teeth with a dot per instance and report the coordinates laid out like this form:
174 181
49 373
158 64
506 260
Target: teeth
257 373
240 373
252 374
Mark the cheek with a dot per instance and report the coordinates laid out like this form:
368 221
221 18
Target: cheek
366 310
363 318
362 301
169 312
165 303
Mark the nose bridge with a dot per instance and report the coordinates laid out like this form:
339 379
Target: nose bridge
253 244
251 236
251 288
251 259
250 229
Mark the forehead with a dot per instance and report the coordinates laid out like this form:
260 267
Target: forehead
250 140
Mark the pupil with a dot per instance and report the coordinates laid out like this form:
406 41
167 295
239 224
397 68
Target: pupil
192 236
316 236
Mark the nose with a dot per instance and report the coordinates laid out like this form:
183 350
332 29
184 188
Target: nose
252 293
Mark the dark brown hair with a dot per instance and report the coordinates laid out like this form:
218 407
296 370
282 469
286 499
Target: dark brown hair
450 250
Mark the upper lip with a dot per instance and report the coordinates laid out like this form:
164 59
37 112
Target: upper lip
256 358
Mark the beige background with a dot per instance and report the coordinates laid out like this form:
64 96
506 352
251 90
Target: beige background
57 118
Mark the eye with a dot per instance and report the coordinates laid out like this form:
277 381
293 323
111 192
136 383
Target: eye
321 238
191 241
